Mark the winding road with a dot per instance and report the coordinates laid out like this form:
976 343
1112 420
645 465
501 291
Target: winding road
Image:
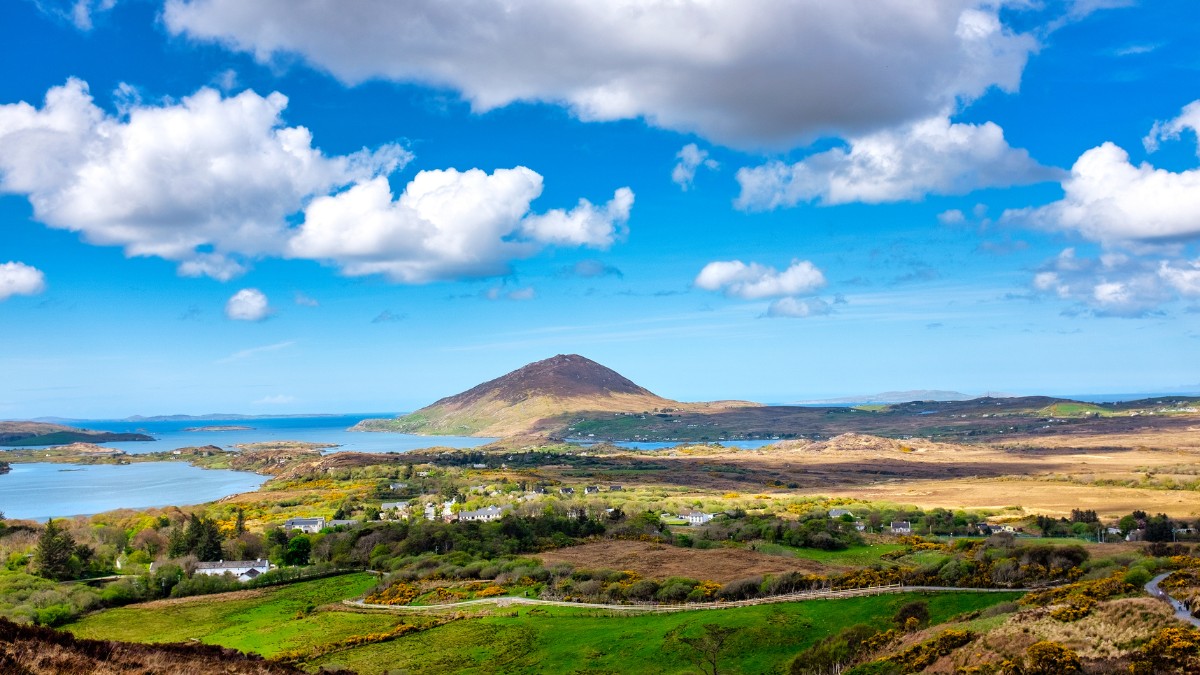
1181 610
655 607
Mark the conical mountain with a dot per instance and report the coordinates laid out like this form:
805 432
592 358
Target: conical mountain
530 399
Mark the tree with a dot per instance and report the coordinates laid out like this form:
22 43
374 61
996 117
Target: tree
917 609
52 557
1159 528
298 550
239 525
705 650
208 540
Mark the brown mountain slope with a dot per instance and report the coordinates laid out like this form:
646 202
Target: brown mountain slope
528 400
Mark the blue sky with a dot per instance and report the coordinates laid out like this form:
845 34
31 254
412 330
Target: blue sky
212 205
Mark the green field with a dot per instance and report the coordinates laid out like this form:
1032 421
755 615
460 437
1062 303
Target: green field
523 640
855 556
267 624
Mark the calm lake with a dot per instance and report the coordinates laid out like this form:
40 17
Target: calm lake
42 491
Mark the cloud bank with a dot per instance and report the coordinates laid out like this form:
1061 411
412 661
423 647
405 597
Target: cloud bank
770 73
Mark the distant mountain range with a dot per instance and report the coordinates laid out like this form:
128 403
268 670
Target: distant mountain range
897 397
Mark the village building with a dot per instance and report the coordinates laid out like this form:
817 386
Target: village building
486 514
838 513
244 570
901 527
591 489
566 491
343 523
695 518
306 525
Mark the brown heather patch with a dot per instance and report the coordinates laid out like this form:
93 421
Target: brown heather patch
231 596
656 561
1105 634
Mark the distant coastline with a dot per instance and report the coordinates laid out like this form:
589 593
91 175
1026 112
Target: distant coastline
221 427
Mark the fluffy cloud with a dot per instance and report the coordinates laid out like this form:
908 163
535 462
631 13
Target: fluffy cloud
754 281
448 224
248 304
1170 130
199 182
20 279
1183 277
1110 200
929 156
1113 284
584 225
690 157
799 309
211 182
764 73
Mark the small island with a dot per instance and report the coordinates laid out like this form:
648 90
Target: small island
220 427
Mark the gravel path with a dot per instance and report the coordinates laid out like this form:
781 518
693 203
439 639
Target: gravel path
1181 610
654 607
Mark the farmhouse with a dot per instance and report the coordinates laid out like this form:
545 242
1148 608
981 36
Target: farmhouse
591 489
342 523
566 491
696 517
838 513
486 514
244 570
307 525
901 527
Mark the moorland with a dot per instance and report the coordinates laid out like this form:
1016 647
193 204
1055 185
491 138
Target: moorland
987 536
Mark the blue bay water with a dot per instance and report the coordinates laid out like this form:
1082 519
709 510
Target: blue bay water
40 491
170 435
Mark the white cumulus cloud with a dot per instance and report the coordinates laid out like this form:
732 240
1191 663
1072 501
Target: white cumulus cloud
930 156
754 281
772 72
202 181
691 158
249 304
1109 200
20 279
448 224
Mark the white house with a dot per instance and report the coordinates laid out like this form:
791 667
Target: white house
244 570
308 525
838 513
901 527
486 514
696 517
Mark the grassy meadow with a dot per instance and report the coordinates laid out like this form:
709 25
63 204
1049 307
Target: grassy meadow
300 617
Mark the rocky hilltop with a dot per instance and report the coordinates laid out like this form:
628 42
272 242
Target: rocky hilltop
530 399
